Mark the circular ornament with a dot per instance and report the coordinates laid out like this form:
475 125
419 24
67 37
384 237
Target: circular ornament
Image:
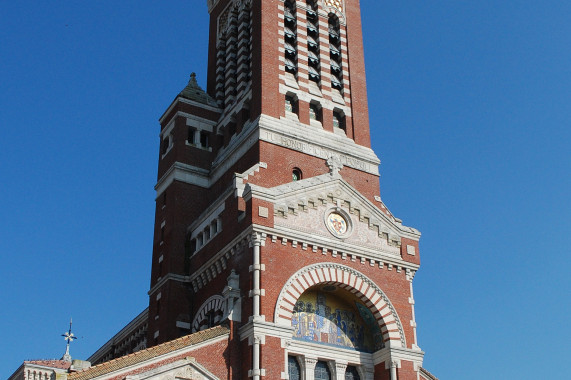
338 223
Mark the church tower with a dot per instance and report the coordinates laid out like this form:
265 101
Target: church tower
268 210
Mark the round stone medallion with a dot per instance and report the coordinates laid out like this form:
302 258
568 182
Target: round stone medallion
338 224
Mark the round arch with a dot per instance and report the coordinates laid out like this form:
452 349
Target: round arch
214 303
346 278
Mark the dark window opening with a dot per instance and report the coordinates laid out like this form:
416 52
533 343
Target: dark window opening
204 137
336 83
162 233
338 120
351 373
165 145
296 174
314 74
290 33
335 53
191 136
293 368
290 104
245 114
322 371
315 112
232 129
290 66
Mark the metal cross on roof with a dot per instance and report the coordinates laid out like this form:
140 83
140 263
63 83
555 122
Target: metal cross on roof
69 337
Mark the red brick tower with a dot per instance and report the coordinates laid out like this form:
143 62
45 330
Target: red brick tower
268 209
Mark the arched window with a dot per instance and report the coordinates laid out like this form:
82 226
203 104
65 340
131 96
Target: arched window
322 371
293 369
351 373
291 104
338 120
296 174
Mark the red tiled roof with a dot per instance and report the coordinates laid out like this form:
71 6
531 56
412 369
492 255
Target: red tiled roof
149 353
60 364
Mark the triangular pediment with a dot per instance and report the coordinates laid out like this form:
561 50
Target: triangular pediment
305 206
185 369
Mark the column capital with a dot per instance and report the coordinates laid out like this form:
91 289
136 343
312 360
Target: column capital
310 363
257 239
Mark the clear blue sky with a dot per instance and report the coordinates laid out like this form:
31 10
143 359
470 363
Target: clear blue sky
470 105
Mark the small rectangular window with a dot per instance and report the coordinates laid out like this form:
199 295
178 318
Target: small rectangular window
191 136
165 146
204 137
314 112
338 120
291 104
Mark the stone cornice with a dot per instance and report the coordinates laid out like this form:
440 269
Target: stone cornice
318 143
184 173
189 102
168 277
389 354
265 328
336 249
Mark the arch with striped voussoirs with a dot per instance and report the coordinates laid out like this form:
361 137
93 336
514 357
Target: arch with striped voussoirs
210 313
346 278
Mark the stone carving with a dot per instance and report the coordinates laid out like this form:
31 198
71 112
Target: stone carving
335 165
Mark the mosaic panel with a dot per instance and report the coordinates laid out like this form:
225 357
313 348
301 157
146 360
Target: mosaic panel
325 318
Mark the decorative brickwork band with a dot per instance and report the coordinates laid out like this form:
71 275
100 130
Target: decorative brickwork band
349 279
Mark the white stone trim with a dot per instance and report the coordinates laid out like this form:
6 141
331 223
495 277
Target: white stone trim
190 102
318 143
163 280
184 173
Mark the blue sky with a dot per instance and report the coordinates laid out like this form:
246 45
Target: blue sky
470 108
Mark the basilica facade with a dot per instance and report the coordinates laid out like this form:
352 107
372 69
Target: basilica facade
274 255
